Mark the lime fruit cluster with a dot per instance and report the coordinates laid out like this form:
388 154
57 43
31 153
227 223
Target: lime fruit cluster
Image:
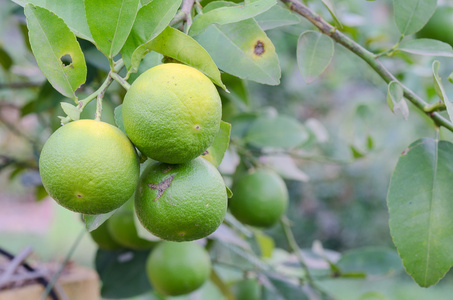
89 167
178 268
259 198
172 113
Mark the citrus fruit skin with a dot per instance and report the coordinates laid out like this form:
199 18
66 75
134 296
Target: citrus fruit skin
178 268
172 113
439 26
259 198
122 229
89 167
247 289
181 202
102 237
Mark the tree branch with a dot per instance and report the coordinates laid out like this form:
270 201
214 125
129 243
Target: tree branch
370 58
184 13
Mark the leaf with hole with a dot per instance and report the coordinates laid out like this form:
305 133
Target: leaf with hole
420 208
51 39
412 15
314 53
110 23
228 14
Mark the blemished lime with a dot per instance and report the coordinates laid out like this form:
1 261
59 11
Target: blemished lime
172 113
89 167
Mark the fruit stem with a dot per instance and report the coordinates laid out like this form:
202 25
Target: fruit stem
370 58
118 66
120 80
285 222
51 284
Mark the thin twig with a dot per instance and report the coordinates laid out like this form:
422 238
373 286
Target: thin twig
41 280
14 264
54 279
370 58
184 13
295 248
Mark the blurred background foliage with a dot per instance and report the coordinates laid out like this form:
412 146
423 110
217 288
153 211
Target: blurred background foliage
342 205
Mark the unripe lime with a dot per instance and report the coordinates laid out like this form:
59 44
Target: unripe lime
178 268
259 198
172 113
440 26
123 230
181 202
89 167
101 236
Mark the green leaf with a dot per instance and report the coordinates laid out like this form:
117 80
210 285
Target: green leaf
440 91
420 208
314 53
276 16
286 289
151 20
370 261
92 222
266 244
51 40
178 45
216 151
241 123
125 267
229 192
229 14
110 23
277 132
242 49
438 86
412 15
395 99
426 47
71 11
5 60
118 113
72 111
331 9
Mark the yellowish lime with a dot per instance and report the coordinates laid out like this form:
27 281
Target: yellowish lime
172 113
181 202
89 167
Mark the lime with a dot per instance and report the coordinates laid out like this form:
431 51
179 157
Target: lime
181 202
259 198
101 236
172 113
178 268
247 289
89 167
122 228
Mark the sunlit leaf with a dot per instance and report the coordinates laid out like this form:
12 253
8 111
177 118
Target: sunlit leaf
52 43
229 14
110 23
216 151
